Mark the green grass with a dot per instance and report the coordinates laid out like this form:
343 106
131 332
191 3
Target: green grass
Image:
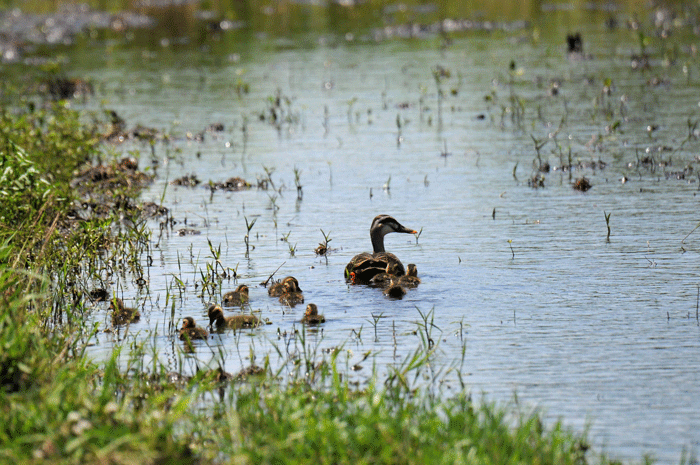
58 406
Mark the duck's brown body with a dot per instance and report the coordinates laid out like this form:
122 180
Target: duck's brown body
216 316
277 289
395 290
410 279
238 297
311 317
363 267
383 279
291 294
121 314
190 330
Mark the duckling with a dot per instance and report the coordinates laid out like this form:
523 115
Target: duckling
121 314
277 289
292 294
190 330
216 315
366 265
311 315
384 279
410 279
238 297
394 290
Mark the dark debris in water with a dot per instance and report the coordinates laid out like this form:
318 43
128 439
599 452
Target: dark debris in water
230 185
582 184
187 181
188 232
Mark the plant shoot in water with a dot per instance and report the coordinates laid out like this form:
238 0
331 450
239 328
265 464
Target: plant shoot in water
607 223
510 243
297 182
323 249
246 239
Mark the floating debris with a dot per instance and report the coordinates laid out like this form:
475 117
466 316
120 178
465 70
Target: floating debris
582 184
187 181
230 185
188 232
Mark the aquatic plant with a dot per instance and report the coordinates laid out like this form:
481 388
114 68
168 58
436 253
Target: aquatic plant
246 239
297 183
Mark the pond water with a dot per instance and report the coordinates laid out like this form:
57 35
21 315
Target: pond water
527 294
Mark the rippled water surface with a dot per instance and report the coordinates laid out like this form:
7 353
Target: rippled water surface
598 333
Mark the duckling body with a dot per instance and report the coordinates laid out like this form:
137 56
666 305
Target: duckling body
410 279
277 289
291 294
121 314
216 315
384 278
311 317
238 297
394 290
363 267
190 330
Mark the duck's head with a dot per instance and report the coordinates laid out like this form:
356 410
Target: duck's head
293 282
215 312
242 289
392 268
290 286
311 310
411 270
188 323
116 304
383 225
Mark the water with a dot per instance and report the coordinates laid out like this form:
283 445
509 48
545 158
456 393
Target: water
599 334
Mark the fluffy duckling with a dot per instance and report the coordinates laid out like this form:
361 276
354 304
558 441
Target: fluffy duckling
121 314
216 315
292 294
238 297
190 330
394 290
311 315
384 279
277 289
410 279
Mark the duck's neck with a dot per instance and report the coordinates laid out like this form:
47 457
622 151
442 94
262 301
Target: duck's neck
377 241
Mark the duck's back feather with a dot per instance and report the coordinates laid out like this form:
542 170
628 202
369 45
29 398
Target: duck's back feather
366 265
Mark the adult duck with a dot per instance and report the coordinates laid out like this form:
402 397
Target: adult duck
363 267
216 315
238 297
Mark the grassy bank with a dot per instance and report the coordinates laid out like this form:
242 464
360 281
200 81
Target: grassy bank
59 242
